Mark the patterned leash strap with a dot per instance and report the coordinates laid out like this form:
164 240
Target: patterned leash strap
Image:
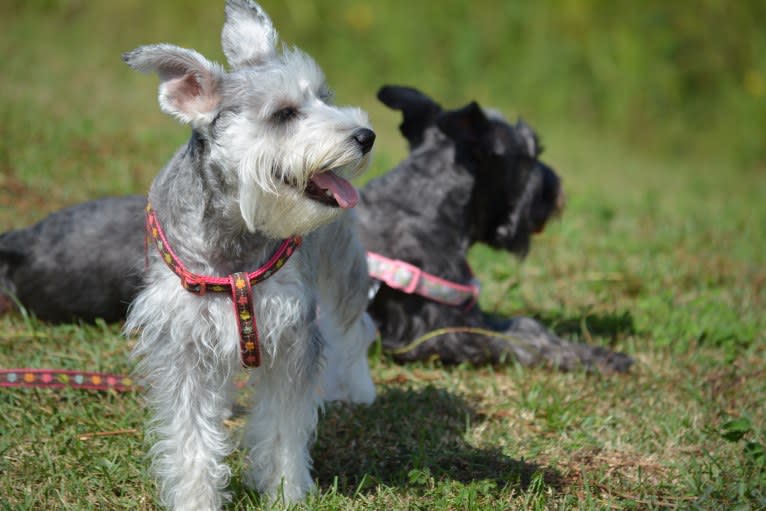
60 378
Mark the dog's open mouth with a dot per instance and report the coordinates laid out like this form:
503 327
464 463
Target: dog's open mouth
332 190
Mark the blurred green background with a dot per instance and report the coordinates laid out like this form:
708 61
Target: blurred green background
673 80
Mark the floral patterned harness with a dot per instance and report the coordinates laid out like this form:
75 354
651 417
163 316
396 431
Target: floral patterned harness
239 284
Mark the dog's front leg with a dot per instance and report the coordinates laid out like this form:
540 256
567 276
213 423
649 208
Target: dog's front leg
189 395
283 420
344 284
346 375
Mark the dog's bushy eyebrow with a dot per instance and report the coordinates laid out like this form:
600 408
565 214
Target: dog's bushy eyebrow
285 112
277 105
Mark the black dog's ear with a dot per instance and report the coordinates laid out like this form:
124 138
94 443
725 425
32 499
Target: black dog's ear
468 125
418 110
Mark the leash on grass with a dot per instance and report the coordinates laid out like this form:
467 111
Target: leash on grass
63 378
453 330
91 380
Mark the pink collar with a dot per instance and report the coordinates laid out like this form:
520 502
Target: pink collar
410 279
238 284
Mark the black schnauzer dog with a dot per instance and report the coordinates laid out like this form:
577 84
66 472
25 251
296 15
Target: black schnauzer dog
470 177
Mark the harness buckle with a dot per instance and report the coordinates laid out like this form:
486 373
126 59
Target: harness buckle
193 285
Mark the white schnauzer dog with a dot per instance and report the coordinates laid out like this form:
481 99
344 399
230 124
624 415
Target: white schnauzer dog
260 188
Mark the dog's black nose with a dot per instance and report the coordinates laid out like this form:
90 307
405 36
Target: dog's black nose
365 138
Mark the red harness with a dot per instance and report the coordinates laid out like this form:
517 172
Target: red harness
238 284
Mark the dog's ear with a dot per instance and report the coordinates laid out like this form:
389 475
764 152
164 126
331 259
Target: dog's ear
419 111
468 125
248 36
190 85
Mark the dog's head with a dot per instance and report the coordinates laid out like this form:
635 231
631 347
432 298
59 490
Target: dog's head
514 193
269 124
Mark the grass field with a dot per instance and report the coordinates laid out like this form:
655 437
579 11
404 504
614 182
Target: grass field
661 253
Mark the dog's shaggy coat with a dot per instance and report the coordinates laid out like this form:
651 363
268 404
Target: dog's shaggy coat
265 161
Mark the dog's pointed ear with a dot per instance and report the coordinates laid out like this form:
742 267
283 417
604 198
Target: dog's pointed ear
190 85
248 36
469 125
418 110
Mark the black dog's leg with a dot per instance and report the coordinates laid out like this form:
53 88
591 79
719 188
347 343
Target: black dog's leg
521 340
565 355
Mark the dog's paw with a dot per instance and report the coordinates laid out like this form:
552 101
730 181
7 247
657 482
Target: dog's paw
534 344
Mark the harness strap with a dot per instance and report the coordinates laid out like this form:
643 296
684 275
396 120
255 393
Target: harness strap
410 279
242 297
238 284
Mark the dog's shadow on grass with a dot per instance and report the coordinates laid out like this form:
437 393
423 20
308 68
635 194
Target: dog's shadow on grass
407 437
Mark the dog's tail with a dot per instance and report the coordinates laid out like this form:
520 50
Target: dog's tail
10 258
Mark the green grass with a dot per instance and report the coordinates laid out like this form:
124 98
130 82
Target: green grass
661 252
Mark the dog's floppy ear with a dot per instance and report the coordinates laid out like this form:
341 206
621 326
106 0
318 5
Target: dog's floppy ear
190 85
468 125
418 110
248 36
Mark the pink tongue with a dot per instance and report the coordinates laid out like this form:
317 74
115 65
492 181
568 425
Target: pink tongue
345 194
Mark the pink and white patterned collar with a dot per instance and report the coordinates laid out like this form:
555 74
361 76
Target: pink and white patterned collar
410 279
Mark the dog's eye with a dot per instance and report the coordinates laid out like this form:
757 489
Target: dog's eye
285 114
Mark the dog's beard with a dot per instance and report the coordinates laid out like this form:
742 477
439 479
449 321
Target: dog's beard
283 214
283 209
514 232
